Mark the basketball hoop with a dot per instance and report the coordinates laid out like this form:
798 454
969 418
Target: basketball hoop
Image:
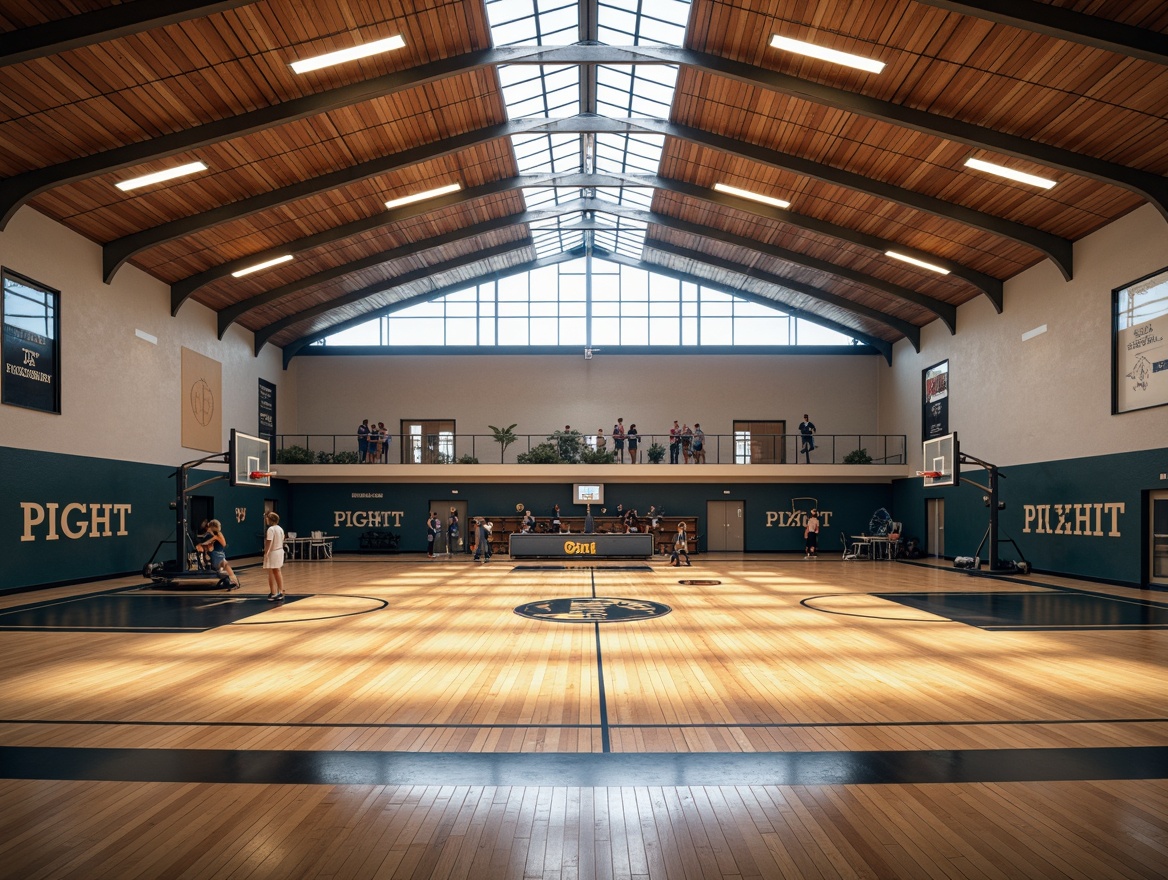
261 475
932 475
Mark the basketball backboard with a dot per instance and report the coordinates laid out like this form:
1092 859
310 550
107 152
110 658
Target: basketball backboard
248 457
940 463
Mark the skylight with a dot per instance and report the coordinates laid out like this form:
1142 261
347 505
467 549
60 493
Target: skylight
621 92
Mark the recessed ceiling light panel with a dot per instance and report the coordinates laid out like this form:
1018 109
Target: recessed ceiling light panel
1011 173
753 196
907 259
160 176
427 194
267 264
834 56
351 54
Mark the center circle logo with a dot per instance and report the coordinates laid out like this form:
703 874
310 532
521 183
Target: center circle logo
589 609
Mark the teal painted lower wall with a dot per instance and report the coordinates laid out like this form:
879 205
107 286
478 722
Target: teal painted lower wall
68 517
348 510
1082 517
49 532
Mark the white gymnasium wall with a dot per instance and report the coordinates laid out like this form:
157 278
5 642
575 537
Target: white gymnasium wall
120 395
542 394
1048 398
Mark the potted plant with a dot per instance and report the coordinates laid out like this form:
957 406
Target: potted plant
504 437
656 453
858 456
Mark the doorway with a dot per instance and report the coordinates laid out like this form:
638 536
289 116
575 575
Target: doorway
443 507
725 531
1158 537
427 441
935 526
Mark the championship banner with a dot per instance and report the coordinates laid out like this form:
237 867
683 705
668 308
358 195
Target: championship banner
30 349
267 411
1141 344
935 381
202 397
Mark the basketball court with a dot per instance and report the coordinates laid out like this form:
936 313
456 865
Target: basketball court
751 716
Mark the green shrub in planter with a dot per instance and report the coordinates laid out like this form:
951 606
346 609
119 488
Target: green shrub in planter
467 459
591 456
858 456
656 453
544 453
294 455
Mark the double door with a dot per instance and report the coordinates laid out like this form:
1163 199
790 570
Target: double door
725 529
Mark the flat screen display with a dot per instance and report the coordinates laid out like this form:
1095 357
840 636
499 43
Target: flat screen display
588 493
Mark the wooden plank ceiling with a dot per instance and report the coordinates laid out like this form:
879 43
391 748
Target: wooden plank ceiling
305 163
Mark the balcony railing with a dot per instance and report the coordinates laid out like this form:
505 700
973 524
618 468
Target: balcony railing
573 448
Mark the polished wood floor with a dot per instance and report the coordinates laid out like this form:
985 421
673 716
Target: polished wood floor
410 655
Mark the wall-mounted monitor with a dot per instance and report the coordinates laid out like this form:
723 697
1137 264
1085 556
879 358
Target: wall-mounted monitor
588 493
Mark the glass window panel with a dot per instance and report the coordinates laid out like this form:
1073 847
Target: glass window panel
460 331
605 331
513 331
530 107
717 331
522 91
660 32
486 331
558 19
430 309
666 74
543 310
634 331
760 331
665 331
543 331
512 309
572 309
809 333
368 333
573 331
513 33
417 331
573 287
689 331
662 287
620 19
510 74
513 287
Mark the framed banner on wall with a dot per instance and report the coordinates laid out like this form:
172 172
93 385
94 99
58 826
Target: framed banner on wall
1139 343
32 343
935 397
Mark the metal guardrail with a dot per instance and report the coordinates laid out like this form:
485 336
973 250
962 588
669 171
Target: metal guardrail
575 448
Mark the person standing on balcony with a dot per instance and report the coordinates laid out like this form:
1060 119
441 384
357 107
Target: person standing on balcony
698 445
633 440
618 440
674 442
807 430
363 441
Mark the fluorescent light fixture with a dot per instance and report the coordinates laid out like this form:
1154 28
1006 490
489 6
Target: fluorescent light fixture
1037 331
832 55
746 194
350 54
149 337
159 176
264 265
1002 171
427 194
916 262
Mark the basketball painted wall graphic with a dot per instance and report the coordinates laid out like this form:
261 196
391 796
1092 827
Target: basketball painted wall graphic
202 396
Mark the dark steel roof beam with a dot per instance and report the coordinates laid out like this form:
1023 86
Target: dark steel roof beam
909 330
116 252
181 290
882 346
297 345
230 314
265 333
1059 250
87 28
1065 24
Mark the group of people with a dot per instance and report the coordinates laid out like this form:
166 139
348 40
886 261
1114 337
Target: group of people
372 442
212 548
687 441
436 529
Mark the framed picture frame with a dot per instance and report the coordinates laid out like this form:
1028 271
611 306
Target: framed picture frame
1139 343
31 317
935 401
